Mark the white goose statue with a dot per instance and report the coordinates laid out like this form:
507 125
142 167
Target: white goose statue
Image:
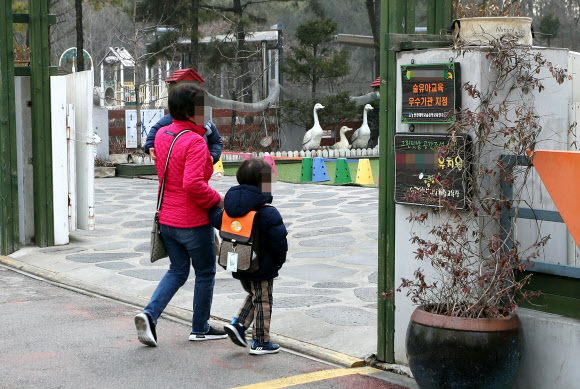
313 136
342 144
360 138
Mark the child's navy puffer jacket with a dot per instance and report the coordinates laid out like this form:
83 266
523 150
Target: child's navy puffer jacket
240 200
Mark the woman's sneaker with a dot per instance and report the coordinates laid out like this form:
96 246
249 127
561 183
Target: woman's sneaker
213 333
264 348
146 329
236 332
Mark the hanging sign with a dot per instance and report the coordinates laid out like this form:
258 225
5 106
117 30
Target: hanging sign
430 169
429 92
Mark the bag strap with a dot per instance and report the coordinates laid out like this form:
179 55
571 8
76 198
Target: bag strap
162 188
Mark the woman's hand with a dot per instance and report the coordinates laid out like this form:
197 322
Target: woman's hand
221 203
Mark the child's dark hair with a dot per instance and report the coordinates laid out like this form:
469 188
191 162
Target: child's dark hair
183 101
254 172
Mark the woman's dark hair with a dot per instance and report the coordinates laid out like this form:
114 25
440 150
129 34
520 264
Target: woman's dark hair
254 172
184 99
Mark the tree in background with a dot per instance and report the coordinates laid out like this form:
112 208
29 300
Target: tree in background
96 4
374 12
313 60
549 27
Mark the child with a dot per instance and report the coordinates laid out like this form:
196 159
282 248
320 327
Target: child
253 191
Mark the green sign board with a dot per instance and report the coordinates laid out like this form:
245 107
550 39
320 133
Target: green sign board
429 92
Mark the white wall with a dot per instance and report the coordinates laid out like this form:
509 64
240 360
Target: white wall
552 341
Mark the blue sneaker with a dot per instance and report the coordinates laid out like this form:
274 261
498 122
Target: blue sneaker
264 348
236 332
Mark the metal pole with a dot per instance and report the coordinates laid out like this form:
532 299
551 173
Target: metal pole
41 127
9 219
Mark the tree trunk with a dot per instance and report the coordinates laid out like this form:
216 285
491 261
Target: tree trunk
80 41
241 48
194 35
374 12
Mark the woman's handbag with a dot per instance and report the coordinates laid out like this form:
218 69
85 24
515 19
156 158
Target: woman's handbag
157 247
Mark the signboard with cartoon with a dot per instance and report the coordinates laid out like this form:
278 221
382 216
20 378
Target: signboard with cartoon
429 92
430 168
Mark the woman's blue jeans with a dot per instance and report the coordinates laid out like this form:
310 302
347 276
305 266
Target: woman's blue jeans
185 246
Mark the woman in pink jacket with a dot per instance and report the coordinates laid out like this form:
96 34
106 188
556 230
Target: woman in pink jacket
185 226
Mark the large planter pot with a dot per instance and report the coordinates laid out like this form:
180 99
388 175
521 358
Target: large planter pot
480 31
118 158
451 352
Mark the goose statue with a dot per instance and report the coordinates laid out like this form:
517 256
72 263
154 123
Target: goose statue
342 144
313 136
361 136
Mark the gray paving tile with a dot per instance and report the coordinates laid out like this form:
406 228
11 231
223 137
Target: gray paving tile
100 257
317 272
331 241
343 316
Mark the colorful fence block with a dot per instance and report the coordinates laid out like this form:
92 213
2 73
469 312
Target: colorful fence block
364 174
306 170
270 160
218 166
319 173
342 174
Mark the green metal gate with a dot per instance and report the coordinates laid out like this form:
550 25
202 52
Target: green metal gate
39 72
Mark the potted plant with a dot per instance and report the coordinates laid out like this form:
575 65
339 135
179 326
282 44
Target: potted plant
465 331
118 153
478 22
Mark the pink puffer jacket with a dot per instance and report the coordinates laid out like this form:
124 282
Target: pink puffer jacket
188 195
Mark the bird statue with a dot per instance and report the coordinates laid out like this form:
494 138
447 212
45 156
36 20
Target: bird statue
313 136
342 144
360 138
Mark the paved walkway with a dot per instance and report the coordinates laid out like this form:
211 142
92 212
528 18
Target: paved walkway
326 294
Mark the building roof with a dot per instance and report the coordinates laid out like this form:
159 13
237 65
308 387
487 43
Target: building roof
118 54
185 75
376 83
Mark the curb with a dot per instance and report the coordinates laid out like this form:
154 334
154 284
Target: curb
176 313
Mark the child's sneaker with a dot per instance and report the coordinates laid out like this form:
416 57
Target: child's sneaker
236 332
264 348
146 329
213 333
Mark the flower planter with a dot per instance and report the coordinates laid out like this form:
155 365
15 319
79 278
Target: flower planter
104 171
452 352
480 31
119 158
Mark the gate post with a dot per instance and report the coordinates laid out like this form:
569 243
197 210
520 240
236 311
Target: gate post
41 123
9 222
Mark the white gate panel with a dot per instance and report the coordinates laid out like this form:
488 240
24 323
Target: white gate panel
80 93
59 160
71 167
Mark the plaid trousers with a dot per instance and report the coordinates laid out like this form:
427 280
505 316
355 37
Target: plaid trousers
257 308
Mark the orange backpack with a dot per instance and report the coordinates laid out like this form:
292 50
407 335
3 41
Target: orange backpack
239 250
